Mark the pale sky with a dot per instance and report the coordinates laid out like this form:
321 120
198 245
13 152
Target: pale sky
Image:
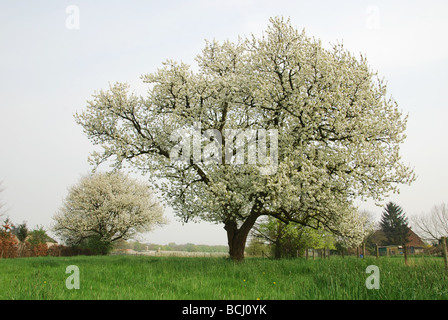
49 68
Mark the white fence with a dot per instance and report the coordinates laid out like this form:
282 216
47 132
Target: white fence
162 253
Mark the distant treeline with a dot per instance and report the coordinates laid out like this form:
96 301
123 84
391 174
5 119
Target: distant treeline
189 247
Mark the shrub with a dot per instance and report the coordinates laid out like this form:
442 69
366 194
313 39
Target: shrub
95 245
39 250
8 242
24 249
55 250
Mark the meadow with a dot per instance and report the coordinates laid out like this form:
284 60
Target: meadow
177 278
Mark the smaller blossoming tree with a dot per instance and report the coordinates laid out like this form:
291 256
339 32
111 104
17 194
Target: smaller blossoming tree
106 207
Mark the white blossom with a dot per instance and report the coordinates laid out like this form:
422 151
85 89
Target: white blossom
111 206
339 135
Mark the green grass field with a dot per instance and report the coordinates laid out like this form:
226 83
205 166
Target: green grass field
172 278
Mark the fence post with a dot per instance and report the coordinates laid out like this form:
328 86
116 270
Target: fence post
405 251
445 257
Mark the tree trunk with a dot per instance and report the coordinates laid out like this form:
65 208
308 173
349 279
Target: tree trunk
277 250
278 243
236 237
236 248
377 251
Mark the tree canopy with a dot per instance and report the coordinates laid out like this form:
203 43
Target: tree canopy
334 135
105 207
433 226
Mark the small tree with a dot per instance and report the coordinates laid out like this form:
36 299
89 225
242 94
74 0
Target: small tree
284 239
106 207
292 239
361 222
21 232
433 226
369 228
8 243
39 236
394 224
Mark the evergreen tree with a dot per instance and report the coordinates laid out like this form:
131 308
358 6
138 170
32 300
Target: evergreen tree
394 224
21 231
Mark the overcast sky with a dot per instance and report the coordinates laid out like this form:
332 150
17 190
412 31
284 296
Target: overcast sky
50 65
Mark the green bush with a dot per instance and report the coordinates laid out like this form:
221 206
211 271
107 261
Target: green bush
96 246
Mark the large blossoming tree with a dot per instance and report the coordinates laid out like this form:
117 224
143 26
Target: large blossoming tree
338 133
106 207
